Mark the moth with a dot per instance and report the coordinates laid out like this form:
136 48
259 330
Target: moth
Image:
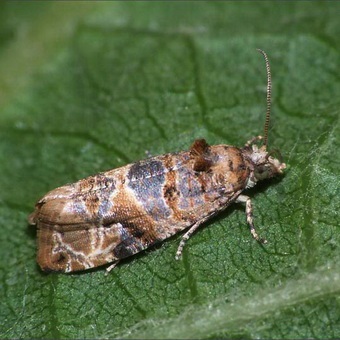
115 214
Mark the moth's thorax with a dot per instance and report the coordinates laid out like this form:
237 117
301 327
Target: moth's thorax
230 168
263 164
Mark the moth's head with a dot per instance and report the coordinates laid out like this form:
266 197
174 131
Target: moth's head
265 164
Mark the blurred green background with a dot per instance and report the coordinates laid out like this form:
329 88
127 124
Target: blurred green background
86 86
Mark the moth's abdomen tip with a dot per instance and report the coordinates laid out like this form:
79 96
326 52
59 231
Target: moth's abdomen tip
48 270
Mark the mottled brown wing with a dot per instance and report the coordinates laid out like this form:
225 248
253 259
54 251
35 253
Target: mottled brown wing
67 249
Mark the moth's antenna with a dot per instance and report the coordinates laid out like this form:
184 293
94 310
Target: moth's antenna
269 99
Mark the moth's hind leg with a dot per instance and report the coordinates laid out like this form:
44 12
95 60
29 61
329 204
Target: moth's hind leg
249 214
112 266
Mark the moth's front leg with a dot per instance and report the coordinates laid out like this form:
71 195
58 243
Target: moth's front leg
253 140
249 214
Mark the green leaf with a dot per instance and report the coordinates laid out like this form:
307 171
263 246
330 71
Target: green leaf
86 87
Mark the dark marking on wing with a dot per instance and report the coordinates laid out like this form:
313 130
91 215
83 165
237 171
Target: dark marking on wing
146 179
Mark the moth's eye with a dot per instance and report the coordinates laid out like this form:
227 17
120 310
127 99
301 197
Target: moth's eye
261 170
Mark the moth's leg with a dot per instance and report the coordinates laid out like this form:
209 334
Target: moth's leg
249 214
187 235
185 238
112 266
253 140
148 153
